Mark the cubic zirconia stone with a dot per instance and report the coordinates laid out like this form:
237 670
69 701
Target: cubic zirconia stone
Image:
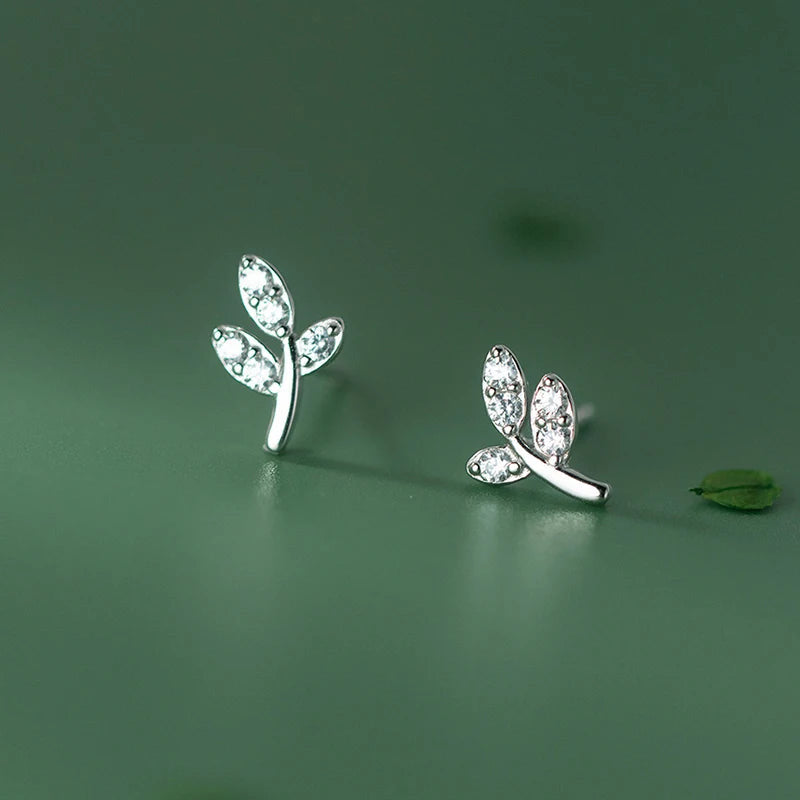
245 358
257 372
552 440
255 280
501 370
550 401
272 312
495 465
316 343
505 408
232 348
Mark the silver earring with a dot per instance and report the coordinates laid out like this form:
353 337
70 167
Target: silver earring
268 302
553 429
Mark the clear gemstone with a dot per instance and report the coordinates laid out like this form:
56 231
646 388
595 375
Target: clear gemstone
257 372
553 440
501 370
246 358
316 343
494 468
254 280
265 296
272 312
550 401
232 348
505 408
495 464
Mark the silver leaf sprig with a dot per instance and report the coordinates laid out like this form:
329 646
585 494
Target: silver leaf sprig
553 430
268 301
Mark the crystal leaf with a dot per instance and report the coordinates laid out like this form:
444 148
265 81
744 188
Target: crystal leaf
504 390
246 359
265 296
497 465
553 440
553 419
319 344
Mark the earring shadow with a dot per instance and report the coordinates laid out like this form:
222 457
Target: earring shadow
371 411
394 466
369 408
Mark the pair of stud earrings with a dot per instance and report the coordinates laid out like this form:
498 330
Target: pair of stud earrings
554 417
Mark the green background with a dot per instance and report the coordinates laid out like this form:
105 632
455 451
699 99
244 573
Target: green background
610 189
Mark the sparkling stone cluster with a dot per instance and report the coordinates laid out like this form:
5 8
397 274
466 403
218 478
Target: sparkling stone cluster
497 465
264 296
550 401
317 344
552 440
553 418
504 391
245 359
258 373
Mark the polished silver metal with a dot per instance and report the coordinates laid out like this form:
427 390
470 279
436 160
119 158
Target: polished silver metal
266 299
553 425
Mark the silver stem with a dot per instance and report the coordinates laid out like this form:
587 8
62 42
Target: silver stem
566 480
280 425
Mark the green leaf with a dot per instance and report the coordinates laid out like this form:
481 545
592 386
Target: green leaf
742 489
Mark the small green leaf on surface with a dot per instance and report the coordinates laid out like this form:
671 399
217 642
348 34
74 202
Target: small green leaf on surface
743 489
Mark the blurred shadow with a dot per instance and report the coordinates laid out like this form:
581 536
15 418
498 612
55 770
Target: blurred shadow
537 496
693 518
396 467
530 227
542 506
547 505
370 409
306 458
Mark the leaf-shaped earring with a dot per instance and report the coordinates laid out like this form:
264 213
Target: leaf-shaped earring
267 300
553 429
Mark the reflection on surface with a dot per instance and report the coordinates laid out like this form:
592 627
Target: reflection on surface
519 561
538 535
267 484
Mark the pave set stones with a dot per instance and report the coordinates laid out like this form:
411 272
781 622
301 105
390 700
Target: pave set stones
246 359
552 414
267 300
504 391
552 441
317 344
259 373
552 411
552 419
265 297
501 368
550 401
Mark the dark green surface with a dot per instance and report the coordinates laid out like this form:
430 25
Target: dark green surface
181 614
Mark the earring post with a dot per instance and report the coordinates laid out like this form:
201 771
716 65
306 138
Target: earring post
585 413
